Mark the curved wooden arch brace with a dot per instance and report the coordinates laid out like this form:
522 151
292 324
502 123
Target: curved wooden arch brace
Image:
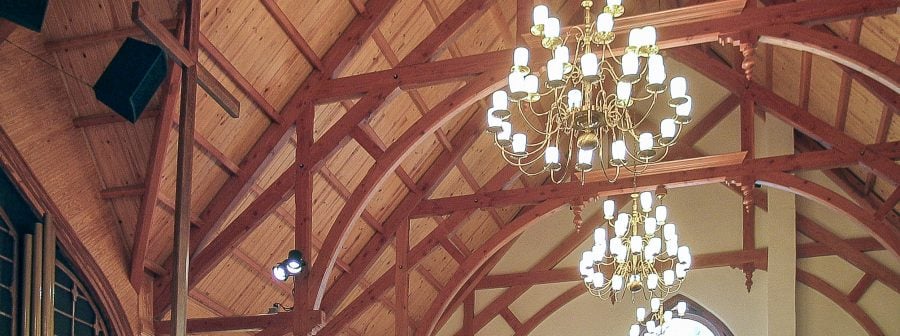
477 89
550 308
835 295
836 49
480 256
784 181
878 227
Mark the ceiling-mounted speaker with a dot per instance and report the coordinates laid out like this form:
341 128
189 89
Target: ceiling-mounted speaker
131 78
26 13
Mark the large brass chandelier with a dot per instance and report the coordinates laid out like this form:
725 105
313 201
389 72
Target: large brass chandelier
590 121
635 258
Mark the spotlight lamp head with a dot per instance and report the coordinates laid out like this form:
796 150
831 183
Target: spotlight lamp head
280 272
295 262
292 266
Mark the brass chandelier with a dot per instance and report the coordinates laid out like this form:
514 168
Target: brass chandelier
635 258
590 121
658 321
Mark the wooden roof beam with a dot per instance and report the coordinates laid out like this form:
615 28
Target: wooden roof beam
238 79
106 36
285 23
109 118
227 323
840 118
847 181
153 176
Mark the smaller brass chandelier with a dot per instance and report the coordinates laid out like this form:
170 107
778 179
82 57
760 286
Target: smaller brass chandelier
658 321
636 260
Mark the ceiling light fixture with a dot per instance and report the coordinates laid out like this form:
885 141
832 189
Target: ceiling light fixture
590 121
637 261
657 322
293 265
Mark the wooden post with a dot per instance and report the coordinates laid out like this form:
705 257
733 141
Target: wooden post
401 285
748 139
184 168
303 198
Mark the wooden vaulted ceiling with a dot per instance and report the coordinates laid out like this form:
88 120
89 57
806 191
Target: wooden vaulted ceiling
398 134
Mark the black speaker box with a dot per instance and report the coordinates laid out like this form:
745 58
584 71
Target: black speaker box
131 78
26 13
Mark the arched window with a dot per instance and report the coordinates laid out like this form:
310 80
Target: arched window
8 276
697 320
74 311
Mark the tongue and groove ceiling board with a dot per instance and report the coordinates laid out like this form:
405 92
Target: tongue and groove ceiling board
397 138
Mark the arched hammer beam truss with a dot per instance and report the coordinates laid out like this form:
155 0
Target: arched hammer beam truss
786 111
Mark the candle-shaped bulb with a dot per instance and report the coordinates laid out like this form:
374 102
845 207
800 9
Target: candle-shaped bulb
609 209
604 22
500 100
520 56
519 143
657 69
540 15
575 98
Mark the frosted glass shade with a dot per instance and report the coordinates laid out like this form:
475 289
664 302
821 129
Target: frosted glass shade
551 27
500 100
540 15
519 143
609 209
520 56
604 22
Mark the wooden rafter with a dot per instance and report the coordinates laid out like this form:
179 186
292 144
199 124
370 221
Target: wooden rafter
158 33
239 80
153 177
285 23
